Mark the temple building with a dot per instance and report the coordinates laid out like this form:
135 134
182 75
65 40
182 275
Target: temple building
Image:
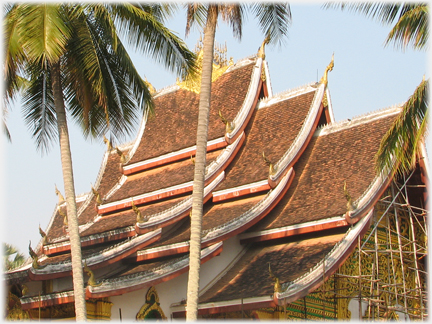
297 223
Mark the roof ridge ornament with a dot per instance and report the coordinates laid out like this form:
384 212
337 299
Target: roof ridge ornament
58 193
139 217
34 256
277 286
272 168
220 65
229 126
261 51
108 143
96 194
61 213
329 68
121 154
150 86
44 236
350 205
91 281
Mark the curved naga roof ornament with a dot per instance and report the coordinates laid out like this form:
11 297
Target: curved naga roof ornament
261 52
327 70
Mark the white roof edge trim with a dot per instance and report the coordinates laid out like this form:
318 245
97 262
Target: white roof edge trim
168 155
116 187
163 248
137 141
330 106
250 214
249 99
246 186
268 81
330 260
249 300
300 139
286 95
148 194
241 62
213 167
155 273
363 119
179 208
100 256
291 227
27 300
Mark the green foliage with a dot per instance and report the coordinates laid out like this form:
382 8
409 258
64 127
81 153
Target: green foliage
8 252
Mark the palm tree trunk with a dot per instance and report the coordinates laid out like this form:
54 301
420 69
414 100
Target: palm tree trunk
66 160
200 164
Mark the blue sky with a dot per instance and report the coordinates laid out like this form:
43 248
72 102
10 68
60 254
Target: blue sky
366 77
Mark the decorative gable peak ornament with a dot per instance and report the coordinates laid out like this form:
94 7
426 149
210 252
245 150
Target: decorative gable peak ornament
261 52
220 65
329 68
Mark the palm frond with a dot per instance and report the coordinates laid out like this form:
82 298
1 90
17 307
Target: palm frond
274 20
150 36
38 108
196 13
233 14
400 146
412 27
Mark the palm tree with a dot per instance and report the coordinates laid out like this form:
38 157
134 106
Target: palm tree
9 251
400 146
73 58
274 20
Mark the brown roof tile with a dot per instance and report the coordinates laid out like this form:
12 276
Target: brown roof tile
173 127
272 130
250 277
317 189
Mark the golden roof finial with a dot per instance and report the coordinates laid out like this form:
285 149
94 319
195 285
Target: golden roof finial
58 193
327 70
121 154
150 86
44 236
229 126
261 52
139 217
34 256
61 213
272 168
277 286
350 205
91 281
96 194
108 143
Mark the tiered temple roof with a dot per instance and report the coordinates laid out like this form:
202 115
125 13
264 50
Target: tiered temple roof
279 171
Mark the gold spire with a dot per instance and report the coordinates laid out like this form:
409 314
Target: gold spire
327 70
220 65
97 195
91 281
272 168
108 143
261 51
58 193
277 286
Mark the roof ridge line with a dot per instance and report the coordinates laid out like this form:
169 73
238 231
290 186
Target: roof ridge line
286 94
357 120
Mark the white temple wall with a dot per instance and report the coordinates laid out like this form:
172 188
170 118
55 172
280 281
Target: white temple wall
173 291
